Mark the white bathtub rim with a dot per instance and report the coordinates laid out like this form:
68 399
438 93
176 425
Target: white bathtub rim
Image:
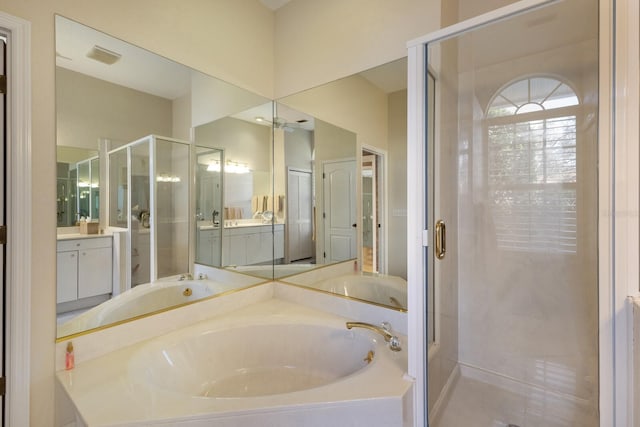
91 318
101 380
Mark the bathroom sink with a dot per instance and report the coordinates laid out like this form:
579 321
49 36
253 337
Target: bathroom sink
253 361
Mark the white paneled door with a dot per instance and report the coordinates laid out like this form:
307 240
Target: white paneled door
339 178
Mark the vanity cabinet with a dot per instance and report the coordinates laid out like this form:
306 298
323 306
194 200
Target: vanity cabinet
84 268
252 244
208 247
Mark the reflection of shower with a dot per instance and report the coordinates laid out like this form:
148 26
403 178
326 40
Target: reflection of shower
149 196
66 206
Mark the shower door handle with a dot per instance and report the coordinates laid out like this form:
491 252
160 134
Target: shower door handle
441 239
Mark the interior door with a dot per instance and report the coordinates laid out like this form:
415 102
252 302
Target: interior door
299 214
339 196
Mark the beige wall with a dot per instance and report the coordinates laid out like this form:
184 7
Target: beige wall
352 103
88 109
242 141
397 184
320 41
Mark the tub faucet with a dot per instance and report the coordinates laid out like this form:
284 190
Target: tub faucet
186 276
384 330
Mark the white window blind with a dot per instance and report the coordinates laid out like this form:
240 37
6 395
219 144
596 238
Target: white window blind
531 169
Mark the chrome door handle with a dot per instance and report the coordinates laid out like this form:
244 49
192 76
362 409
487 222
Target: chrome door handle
441 239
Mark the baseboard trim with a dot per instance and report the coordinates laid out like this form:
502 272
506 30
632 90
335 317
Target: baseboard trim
443 398
517 386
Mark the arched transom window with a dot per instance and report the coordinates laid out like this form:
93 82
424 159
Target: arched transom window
531 126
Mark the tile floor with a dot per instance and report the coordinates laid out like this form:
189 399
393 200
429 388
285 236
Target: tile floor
476 404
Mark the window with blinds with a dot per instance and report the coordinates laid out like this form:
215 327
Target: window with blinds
531 168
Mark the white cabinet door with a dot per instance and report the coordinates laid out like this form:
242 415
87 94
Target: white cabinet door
255 248
204 250
237 250
94 272
67 277
216 250
278 245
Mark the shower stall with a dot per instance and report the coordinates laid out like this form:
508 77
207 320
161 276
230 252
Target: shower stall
149 198
506 143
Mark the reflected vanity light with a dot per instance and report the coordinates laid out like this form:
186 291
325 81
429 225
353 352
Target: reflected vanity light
230 167
168 178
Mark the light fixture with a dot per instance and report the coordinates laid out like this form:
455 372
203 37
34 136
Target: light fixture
236 167
104 55
167 178
214 166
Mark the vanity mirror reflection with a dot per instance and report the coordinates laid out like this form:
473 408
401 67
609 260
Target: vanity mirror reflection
279 191
344 151
125 119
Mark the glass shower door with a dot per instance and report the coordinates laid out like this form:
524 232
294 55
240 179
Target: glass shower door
171 203
512 207
140 213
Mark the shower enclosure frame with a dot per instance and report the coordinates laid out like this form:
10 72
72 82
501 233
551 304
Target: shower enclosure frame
153 188
617 270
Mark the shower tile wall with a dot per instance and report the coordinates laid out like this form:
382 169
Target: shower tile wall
528 314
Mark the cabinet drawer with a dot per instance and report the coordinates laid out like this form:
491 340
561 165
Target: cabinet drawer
88 243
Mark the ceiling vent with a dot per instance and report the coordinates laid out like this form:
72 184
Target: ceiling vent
103 55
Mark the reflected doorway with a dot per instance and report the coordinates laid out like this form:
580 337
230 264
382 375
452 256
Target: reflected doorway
299 223
372 211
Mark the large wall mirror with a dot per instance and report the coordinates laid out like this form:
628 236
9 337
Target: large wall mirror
343 151
133 132
161 167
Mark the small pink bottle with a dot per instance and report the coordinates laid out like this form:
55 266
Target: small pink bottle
70 360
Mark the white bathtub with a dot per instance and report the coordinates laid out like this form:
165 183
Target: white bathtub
382 289
142 299
271 364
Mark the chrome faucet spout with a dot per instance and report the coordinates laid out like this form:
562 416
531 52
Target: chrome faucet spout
384 330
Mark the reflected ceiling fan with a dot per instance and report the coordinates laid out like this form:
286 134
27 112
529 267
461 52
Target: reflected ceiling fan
282 123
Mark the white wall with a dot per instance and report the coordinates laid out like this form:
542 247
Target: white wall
298 148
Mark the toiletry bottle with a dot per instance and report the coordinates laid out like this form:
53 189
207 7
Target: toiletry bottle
70 361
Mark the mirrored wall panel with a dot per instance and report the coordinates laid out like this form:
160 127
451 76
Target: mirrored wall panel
128 170
340 158
309 189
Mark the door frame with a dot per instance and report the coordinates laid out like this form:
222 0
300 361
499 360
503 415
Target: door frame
618 241
287 255
383 217
18 199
